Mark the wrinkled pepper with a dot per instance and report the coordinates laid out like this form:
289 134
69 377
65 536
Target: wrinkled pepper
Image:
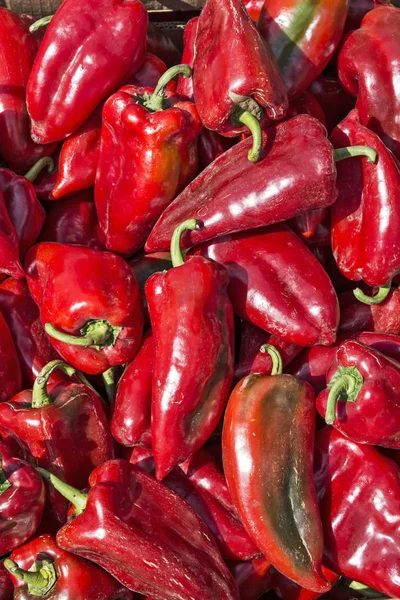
90 304
10 370
379 318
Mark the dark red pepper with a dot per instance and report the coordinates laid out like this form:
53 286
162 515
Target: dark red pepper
6 586
253 578
9 246
286 589
335 103
144 265
149 72
10 370
185 84
212 145
306 104
359 8
380 318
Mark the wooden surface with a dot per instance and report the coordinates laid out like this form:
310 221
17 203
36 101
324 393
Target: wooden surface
42 8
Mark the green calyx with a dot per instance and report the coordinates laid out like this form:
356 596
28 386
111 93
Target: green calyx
156 101
379 297
176 252
345 386
40 578
277 364
96 333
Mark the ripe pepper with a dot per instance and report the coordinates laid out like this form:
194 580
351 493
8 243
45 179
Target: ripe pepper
86 291
22 498
303 36
149 73
73 424
185 84
368 63
253 578
286 589
40 568
358 491
144 265
233 194
366 216
380 318
68 66
267 444
234 96
306 104
254 7
212 145
335 103
9 247
6 586
10 370
359 8
18 48
189 308
163 128
300 308
167 552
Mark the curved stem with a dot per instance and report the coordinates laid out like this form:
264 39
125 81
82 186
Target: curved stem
156 101
39 579
379 297
40 397
34 171
76 497
40 23
350 151
110 382
277 364
344 385
253 124
176 252
94 333
4 483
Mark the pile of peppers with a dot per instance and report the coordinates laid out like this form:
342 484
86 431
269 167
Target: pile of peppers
200 302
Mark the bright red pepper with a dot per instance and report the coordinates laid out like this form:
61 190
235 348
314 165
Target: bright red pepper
10 370
335 103
286 589
185 84
368 64
41 568
68 63
88 292
167 551
22 499
267 445
189 308
163 128
253 578
6 586
254 8
380 318
73 424
300 309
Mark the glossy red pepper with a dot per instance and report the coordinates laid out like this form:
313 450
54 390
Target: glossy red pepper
73 424
189 307
185 84
6 586
45 184
358 491
335 103
253 578
88 292
380 318
22 499
233 96
18 49
9 247
254 8
368 63
268 440
233 194
167 552
41 568
144 122
303 37
10 370
301 308
286 589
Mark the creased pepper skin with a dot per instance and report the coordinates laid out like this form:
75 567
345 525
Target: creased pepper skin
88 51
189 308
73 285
277 284
369 67
303 35
10 370
366 216
77 578
220 84
154 543
354 529
233 194
267 443
146 159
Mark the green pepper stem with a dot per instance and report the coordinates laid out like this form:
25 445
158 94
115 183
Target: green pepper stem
176 252
156 101
350 151
379 297
39 579
40 23
344 385
95 333
366 591
76 497
38 167
4 483
109 378
40 396
277 364
248 119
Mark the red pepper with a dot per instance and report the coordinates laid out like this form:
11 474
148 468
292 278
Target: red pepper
167 552
164 128
289 590
368 63
301 308
267 444
233 96
18 49
45 184
254 8
91 293
89 49
303 36
6 586
212 145
185 84
73 221
233 194
189 308
144 265
130 423
149 72
253 578
359 491
41 568
335 103
380 318
9 247
22 499
10 370
307 223
73 424
306 104
366 215
359 8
